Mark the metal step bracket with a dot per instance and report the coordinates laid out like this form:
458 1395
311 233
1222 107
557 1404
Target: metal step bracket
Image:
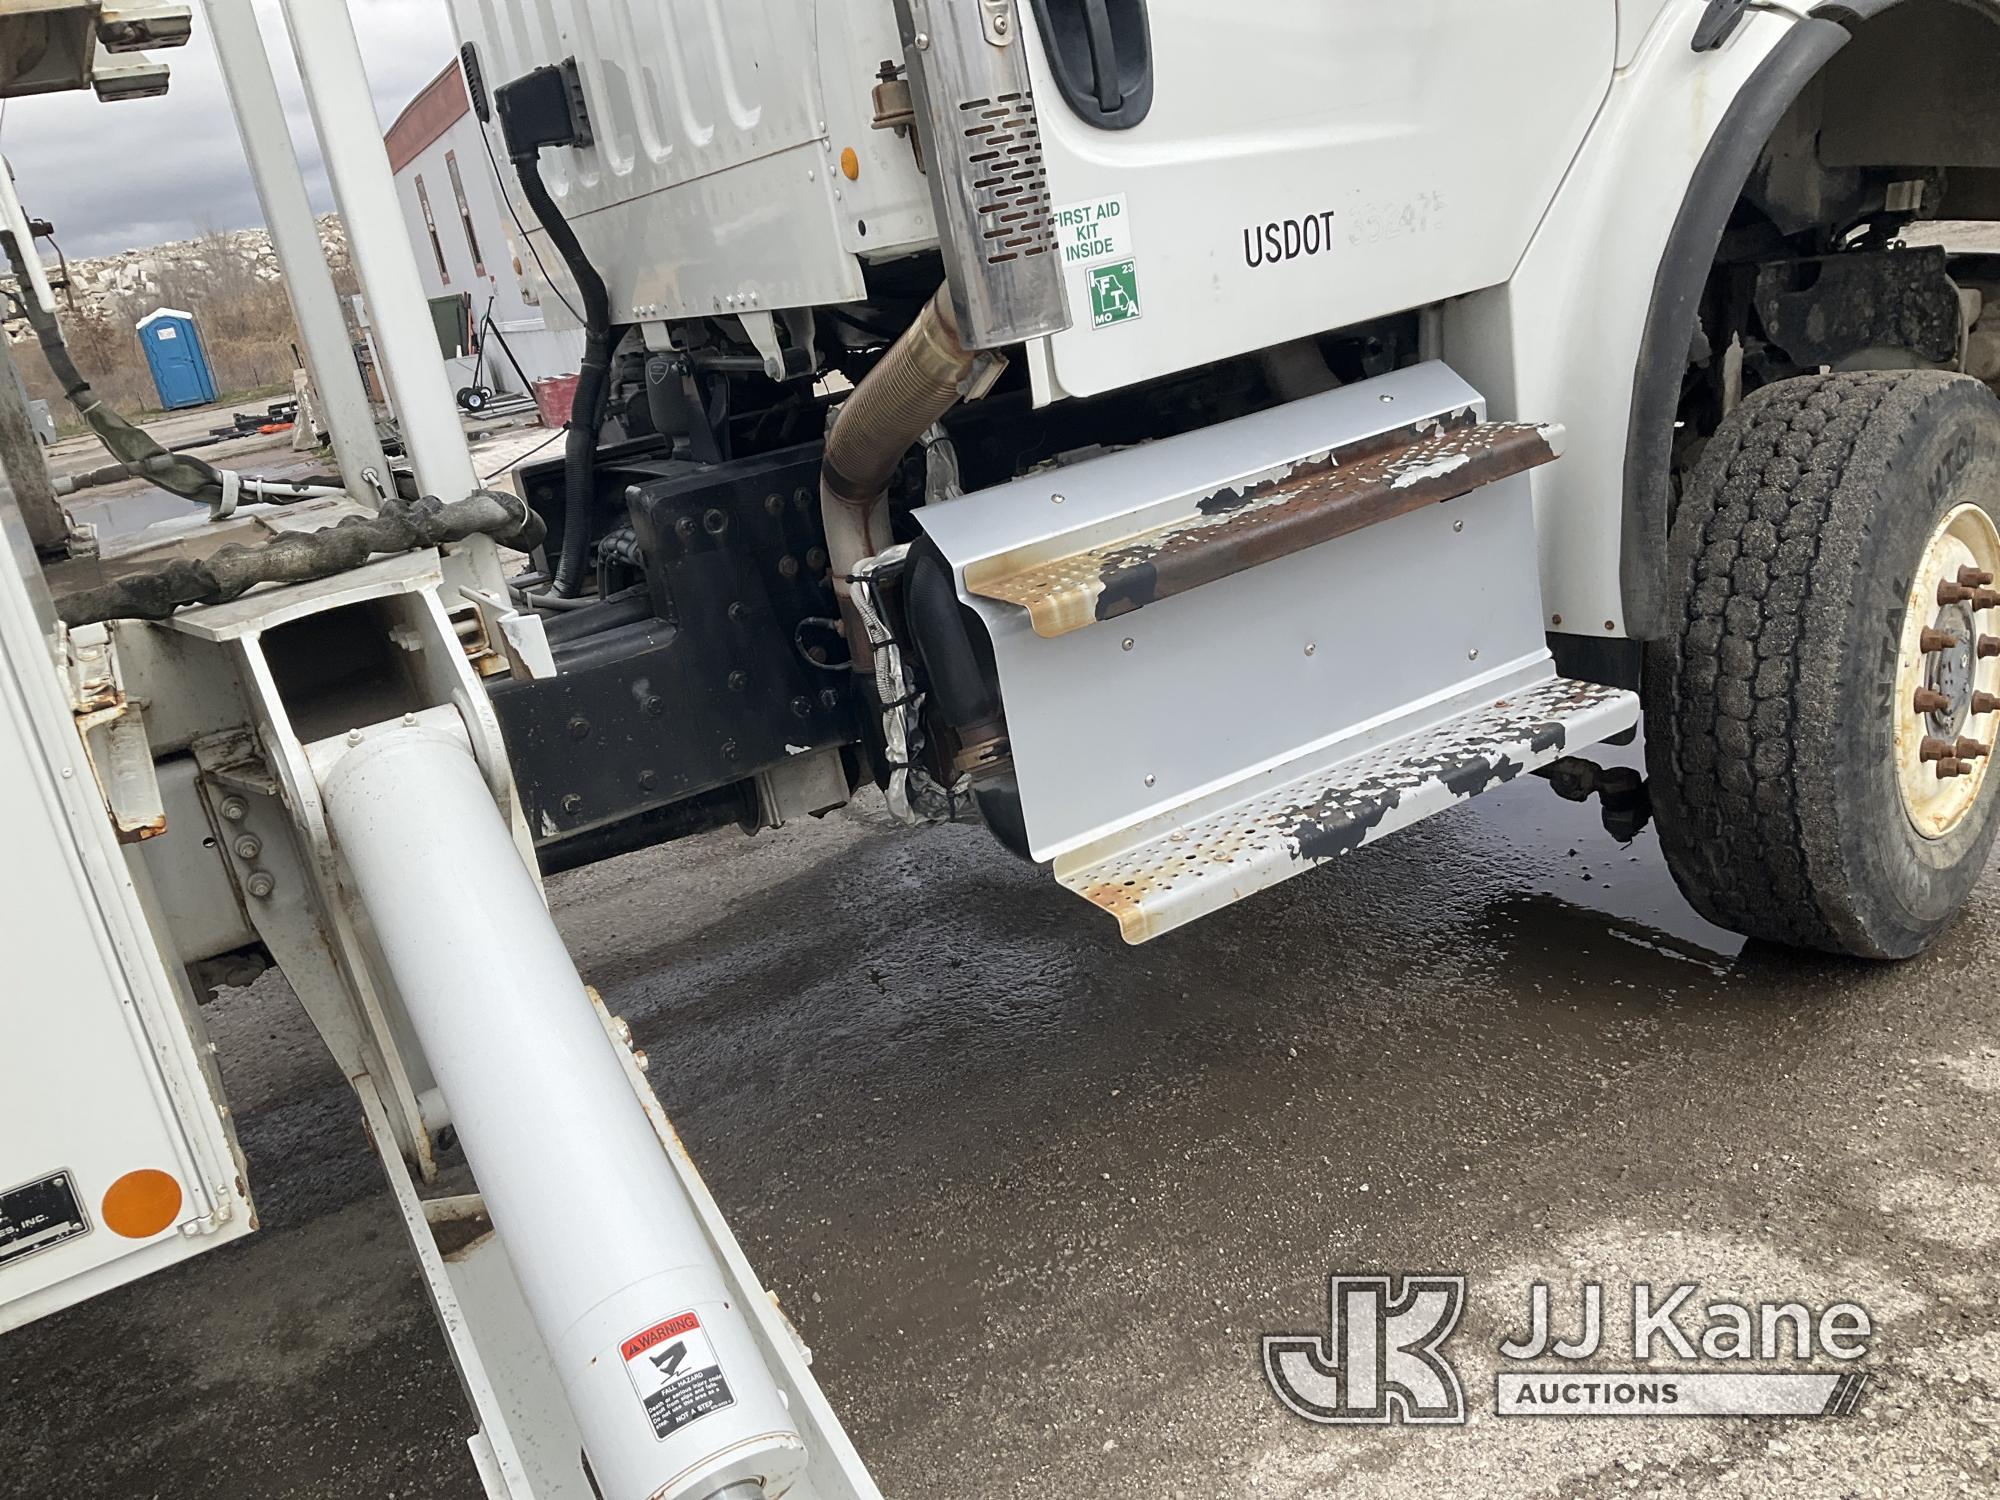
1207 641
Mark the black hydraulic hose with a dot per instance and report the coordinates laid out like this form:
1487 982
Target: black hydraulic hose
399 526
586 414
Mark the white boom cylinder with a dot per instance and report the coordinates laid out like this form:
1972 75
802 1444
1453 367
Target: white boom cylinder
281 192
670 1394
357 164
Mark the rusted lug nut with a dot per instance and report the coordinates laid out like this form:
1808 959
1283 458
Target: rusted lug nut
1936 749
1989 645
1985 599
1931 701
1984 703
1946 769
1953 593
1974 578
1972 749
1936 640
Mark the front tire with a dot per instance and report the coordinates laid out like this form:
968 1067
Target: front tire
1796 772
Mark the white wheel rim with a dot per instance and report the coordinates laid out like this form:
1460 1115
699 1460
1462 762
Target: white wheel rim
1939 785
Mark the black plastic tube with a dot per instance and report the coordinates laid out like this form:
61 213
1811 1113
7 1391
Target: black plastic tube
586 415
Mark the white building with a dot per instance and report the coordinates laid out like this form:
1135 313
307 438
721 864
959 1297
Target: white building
467 251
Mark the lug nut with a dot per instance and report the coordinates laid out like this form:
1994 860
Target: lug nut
1930 701
1974 578
1936 640
1984 703
1985 599
1936 749
1989 645
1972 750
1953 593
1949 768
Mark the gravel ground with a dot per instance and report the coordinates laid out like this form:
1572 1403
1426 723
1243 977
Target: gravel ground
1034 1196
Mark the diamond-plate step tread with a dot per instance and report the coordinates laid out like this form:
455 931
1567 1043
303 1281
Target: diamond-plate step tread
1290 826
1263 518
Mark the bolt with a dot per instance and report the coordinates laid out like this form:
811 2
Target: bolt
261 884
1126 644
249 846
923 41
1000 25
579 728
774 505
1935 640
1473 654
1055 499
684 528
1974 578
648 780
622 1029
1458 525
1312 648
1949 768
729 749
715 522
816 559
409 721
235 809
738 680
1984 703
1985 599
828 698
1149 778
572 804
739 612
802 706
1931 701
353 736
1988 646
1933 748
1387 399
640 1060
1953 593
1555 619
655 706
788 567
1972 750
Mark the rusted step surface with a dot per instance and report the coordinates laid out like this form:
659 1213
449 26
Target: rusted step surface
1233 530
1170 871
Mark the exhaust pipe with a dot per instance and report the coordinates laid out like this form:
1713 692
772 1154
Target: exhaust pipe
916 383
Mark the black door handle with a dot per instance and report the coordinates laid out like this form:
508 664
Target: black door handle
1101 52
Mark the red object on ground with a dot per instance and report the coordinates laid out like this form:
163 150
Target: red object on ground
270 427
555 396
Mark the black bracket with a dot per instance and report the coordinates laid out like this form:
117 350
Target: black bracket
1718 23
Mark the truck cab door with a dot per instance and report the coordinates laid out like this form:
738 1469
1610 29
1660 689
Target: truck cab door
1229 177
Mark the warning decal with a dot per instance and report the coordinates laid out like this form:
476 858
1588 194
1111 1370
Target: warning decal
675 1371
39 1214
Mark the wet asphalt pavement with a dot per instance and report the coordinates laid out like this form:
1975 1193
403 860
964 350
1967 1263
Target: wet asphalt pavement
1033 1196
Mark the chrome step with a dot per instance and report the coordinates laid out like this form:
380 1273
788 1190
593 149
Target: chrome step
1164 873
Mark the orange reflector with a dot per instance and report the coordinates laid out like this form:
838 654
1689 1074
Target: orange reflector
850 164
141 1204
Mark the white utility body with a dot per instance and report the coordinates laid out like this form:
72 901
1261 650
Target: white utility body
1195 441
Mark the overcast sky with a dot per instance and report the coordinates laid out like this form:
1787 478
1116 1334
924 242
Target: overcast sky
145 171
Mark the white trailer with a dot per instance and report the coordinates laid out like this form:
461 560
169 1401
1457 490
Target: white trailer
1196 443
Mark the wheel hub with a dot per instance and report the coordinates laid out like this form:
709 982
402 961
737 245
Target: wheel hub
1948 674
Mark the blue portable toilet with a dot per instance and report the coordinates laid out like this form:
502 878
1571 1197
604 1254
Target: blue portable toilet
177 359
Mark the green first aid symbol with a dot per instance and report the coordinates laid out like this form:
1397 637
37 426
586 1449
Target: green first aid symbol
1114 293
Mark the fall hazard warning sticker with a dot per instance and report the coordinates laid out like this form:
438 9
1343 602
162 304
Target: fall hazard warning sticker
675 1371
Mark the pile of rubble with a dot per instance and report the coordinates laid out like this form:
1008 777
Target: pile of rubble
111 285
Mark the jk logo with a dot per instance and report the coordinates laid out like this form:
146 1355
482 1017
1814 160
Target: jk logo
1383 1361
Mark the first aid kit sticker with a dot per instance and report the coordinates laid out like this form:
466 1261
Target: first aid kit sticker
674 1368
